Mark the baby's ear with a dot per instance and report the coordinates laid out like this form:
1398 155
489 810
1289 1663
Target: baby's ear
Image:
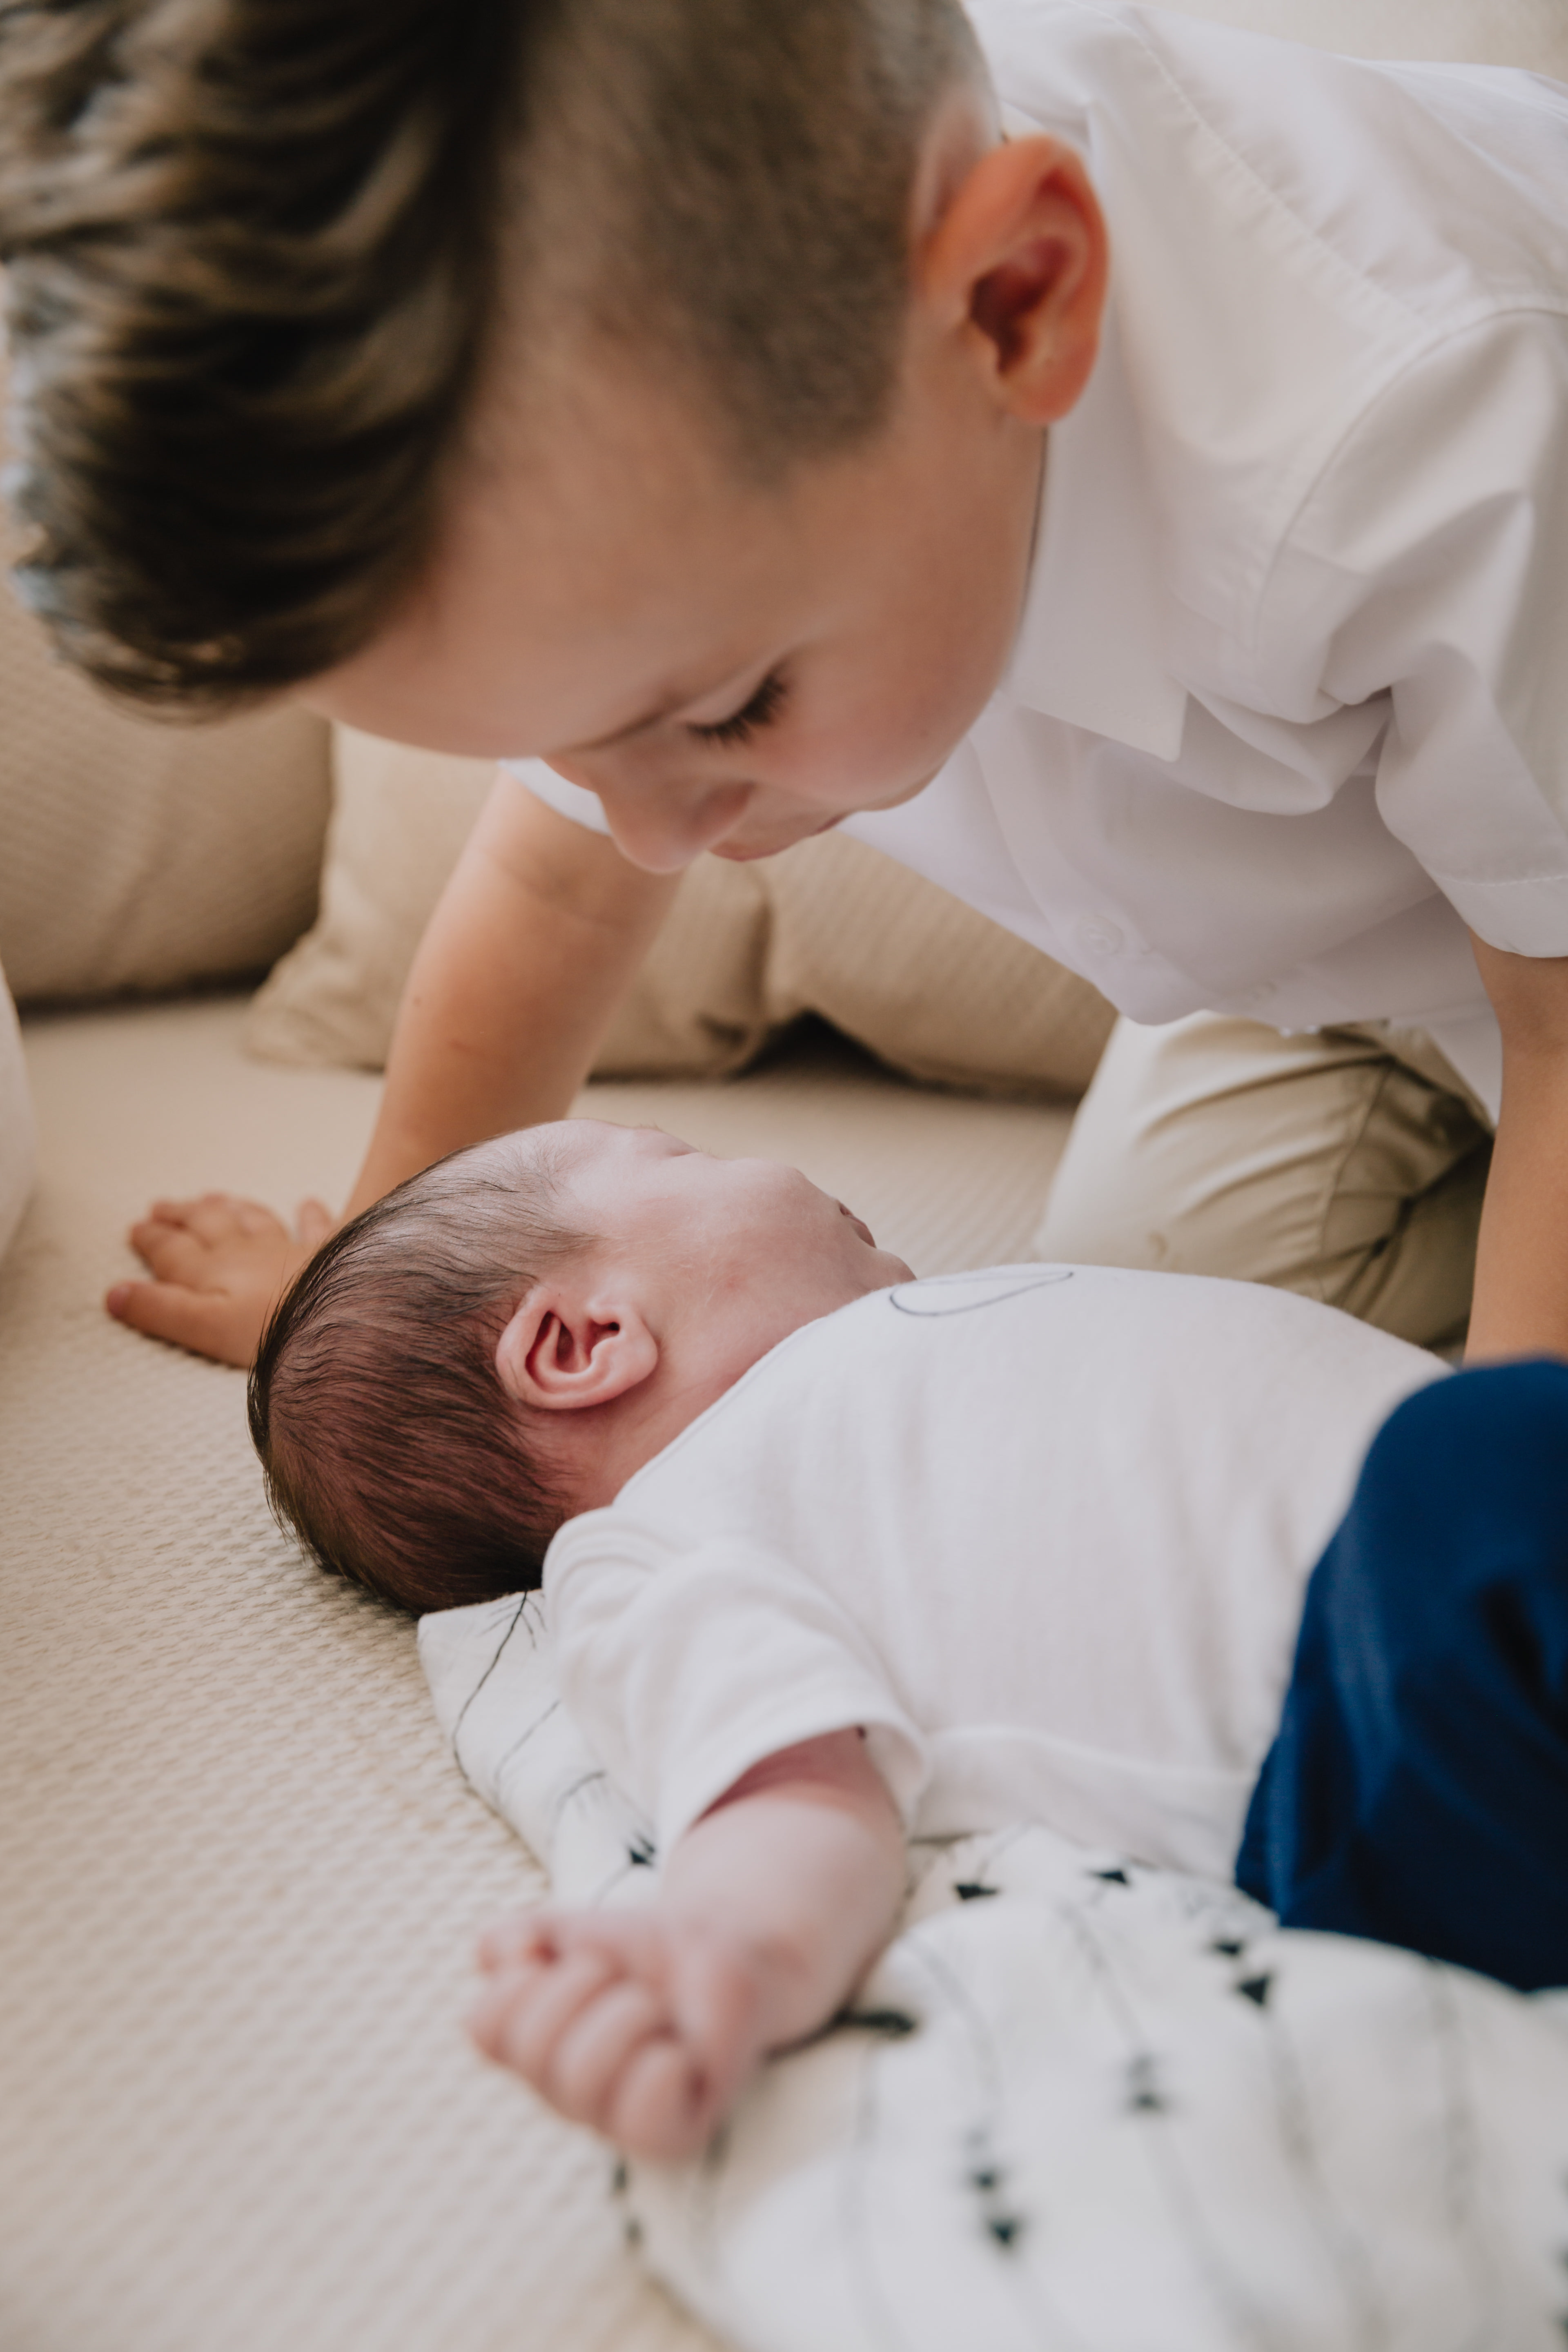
563 1351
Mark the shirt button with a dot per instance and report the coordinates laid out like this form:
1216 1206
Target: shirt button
1097 935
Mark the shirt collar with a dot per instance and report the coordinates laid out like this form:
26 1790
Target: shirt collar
1091 643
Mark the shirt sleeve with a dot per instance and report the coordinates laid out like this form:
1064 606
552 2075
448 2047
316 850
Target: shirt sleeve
575 800
1429 566
685 1669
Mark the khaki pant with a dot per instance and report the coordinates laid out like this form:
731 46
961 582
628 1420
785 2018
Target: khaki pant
1347 1164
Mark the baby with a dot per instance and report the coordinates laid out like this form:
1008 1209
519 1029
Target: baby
831 1556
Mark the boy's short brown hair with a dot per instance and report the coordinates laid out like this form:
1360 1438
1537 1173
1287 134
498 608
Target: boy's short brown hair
260 252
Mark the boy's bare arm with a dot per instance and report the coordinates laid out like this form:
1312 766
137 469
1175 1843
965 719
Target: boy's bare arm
538 934
1522 1263
536 938
645 2025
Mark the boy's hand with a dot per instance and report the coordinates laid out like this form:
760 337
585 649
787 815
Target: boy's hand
643 2027
218 1267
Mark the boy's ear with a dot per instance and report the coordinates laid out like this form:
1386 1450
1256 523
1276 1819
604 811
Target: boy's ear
1019 261
561 1352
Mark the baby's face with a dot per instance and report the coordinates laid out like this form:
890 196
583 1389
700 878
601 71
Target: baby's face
690 1271
728 667
753 1235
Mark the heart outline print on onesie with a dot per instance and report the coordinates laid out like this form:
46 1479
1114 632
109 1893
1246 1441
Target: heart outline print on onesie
1018 1278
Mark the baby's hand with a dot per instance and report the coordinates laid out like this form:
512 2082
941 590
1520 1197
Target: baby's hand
641 2026
218 1265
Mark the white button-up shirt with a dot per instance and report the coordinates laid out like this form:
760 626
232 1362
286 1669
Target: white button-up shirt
1288 708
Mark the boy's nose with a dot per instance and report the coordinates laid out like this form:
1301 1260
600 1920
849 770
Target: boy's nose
663 833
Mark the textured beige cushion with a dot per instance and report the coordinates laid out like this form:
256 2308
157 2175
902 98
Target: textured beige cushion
1533 33
830 927
921 978
17 1136
138 855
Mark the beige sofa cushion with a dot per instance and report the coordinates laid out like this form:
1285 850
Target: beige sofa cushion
1530 33
143 856
18 1135
138 855
830 927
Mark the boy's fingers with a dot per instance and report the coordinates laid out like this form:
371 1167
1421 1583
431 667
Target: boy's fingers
171 1253
159 1220
219 1216
250 1217
314 1220
173 1213
187 1213
204 1321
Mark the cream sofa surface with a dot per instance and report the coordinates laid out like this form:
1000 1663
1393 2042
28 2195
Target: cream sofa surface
241 1876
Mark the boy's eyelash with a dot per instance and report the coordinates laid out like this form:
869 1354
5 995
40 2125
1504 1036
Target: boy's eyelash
761 711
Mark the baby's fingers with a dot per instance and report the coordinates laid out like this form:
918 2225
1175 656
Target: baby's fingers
512 1942
591 2059
614 2065
661 2109
521 2017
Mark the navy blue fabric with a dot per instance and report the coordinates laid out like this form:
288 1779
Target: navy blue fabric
1417 1791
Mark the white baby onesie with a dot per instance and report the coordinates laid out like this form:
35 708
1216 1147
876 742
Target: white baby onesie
1043 1532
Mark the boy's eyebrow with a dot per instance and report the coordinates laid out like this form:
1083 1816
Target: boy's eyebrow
664 708
671 700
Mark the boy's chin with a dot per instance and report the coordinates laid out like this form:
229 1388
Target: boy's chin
746 853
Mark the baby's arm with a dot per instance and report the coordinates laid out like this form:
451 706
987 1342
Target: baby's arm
646 2024
538 934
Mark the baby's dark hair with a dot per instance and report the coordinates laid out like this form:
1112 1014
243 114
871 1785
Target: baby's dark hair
389 1445
261 254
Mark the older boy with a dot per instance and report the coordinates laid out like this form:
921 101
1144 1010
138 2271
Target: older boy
830 1553
664 386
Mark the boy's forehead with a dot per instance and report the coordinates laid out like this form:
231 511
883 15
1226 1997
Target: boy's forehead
592 569
603 563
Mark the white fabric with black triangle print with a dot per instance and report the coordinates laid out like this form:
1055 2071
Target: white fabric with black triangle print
1079 2106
